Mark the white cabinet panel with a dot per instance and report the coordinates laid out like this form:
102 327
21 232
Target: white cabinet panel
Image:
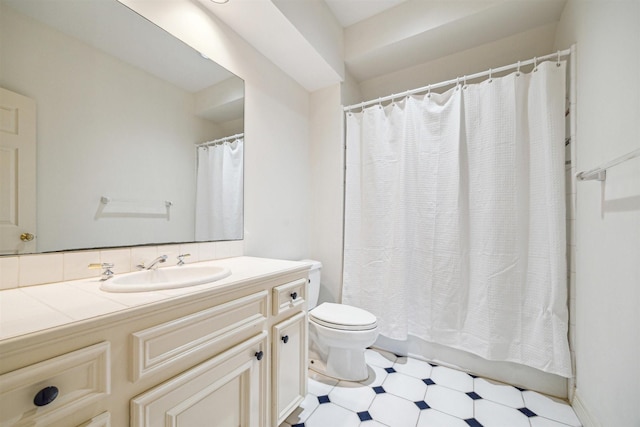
289 385
102 420
289 296
228 390
69 382
182 340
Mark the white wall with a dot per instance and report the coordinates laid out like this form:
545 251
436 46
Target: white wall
608 215
88 149
315 21
277 178
528 44
327 183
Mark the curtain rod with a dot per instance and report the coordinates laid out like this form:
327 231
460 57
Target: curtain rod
221 140
458 80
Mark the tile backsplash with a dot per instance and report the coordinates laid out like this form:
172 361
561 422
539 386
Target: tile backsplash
37 269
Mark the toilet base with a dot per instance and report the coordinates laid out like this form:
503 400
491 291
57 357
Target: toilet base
341 364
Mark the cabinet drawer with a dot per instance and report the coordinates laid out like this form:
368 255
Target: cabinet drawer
69 382
289 295
195 337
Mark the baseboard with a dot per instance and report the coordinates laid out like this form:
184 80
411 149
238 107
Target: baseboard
582 412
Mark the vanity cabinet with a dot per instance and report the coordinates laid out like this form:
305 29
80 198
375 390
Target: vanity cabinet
233 356
289 366
226 390
47 392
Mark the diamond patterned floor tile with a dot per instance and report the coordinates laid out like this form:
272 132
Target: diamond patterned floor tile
546 407
405 392
499 393
364 416
415 368
545 422
432 417
331 414
319 384
380 358
405 386
494 414
449 401
394 411
377 375
323 399
451 378
302 412
353 396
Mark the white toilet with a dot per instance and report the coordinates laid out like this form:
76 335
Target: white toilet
339 334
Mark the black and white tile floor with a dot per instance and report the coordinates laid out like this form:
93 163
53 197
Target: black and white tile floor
405 392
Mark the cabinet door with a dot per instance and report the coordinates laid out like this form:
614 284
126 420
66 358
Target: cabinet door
289 366
227 390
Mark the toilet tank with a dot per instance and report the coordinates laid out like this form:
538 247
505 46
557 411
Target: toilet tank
313 290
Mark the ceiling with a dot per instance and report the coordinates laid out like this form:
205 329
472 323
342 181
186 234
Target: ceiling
93 22
349 12
317 42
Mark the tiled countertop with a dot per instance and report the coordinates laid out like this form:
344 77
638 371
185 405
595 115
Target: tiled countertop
33 309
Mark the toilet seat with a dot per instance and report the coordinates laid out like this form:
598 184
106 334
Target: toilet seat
343 317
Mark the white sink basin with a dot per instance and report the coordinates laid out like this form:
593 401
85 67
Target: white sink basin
165 278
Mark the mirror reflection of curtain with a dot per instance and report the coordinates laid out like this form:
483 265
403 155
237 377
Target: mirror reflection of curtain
219 200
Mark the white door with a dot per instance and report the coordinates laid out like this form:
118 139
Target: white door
17 173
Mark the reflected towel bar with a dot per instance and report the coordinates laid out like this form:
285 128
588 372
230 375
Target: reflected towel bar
106 200
600 173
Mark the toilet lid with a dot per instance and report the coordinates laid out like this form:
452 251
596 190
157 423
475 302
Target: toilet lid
344 317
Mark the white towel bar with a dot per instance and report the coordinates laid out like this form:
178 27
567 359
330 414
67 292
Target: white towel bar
600 173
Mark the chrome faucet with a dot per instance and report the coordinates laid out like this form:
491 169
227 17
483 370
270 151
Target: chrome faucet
181 258
154 263
106 267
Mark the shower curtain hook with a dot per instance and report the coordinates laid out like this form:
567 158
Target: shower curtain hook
464 82
457 83
535 64
558 63
429 91
518 70
490 75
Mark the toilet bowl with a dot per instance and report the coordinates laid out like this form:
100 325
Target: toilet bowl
339 334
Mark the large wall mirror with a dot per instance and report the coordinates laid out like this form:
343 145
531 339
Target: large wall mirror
139 138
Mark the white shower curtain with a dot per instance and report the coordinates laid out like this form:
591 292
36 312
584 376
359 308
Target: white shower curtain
455 218
219 197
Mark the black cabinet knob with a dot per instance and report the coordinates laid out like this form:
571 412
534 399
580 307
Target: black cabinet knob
285 339
45 396
259 355
294 295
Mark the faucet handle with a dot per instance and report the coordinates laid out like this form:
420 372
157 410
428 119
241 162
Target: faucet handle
181 258
106 265
107 273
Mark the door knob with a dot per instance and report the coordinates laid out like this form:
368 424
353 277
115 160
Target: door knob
26 237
